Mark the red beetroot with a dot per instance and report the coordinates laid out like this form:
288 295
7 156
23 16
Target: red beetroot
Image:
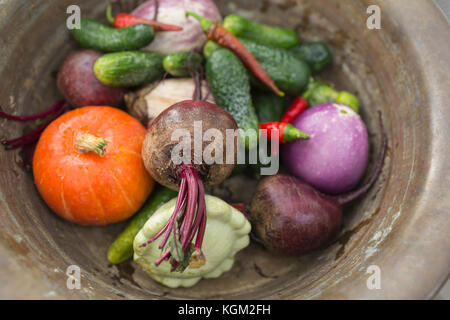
78 84
291 217
188 220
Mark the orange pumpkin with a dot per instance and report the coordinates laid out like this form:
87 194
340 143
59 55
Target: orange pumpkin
88 166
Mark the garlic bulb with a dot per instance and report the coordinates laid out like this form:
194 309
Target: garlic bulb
148 102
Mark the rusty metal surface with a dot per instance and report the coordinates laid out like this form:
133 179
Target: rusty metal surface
402 225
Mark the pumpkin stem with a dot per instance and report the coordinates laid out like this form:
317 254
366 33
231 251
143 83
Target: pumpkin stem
87 142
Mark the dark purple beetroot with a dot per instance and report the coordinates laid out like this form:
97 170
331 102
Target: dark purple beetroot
291 217
77 82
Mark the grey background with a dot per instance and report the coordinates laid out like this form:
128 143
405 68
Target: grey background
445 6
444 294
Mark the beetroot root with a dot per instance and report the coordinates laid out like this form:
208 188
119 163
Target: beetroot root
291 217
191 118
77 82
157 146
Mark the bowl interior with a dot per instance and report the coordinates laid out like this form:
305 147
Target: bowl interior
372 64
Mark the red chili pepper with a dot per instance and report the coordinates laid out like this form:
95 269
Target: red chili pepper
226 39
123 20
297 107
286 132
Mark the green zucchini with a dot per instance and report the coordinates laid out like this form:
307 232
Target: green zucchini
230 86
268 35
129 68
122 247
178 64
94 35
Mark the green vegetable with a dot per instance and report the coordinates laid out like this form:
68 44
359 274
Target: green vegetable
122 248
348 99
290 74
179 64
263 34
316 54
209 47
230 86
269 107
318 92
129 68
98 36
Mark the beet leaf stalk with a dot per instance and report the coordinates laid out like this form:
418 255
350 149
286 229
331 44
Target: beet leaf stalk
31 137
187 221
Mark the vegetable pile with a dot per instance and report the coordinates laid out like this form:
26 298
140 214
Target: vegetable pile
187 79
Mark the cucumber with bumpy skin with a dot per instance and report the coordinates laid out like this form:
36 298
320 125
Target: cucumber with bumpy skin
94 35
230 86
129 68
268 35
122 248
290 74
269 107
316 54
181 64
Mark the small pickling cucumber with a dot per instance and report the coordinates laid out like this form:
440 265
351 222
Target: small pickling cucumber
181 64
129 68
209 48
319 92
290 74
122 248
268 35
230 85
94 35
269 107
316 54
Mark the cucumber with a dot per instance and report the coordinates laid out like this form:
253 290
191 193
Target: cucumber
122 247
230 86
269 107
129 68
349 99
267 35
209 48
178 64
319 92
291 75
94 35
316 54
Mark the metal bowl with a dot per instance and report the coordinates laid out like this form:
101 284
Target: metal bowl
401 226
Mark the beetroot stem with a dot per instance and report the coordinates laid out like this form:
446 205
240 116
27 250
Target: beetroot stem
198 217
164 256
191 206
55 107
33 135
191 209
